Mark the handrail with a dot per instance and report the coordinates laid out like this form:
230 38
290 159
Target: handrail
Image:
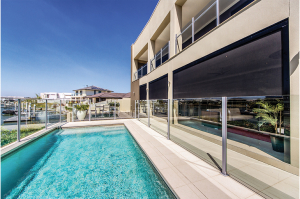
205 11
215 3
140 70
157 54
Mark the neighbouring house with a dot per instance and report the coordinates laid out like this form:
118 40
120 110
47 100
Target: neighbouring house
122 98
55 95
83 93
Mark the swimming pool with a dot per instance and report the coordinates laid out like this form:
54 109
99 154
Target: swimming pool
94 162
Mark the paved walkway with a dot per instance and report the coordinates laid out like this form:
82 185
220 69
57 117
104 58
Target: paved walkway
269 180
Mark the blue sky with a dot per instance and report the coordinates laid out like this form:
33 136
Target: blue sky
62 45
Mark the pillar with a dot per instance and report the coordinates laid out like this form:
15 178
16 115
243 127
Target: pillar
175 28
151 53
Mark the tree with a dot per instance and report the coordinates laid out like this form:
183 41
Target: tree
37 96
269 113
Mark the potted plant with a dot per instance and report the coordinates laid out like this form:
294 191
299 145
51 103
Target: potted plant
272 113
81 111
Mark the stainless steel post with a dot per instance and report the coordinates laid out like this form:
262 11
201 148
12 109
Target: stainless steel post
73 113
19 120
60 111
135 109
224 135
168 119
153 108
46 119
115 111
148 112
89 110
175 44
193 29
217 12
138 109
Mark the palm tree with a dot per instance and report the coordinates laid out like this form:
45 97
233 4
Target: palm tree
269 113
37 96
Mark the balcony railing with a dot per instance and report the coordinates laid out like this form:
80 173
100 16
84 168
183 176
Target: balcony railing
141 72
211 16
160 57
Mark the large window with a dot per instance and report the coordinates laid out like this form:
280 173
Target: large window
158 88
143 92
254 66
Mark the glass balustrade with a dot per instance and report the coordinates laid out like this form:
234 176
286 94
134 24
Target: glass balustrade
253 139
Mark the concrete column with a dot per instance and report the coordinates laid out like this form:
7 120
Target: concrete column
175 28
151 52
294 32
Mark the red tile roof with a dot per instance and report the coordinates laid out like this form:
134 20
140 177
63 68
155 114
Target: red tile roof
92 88
111 95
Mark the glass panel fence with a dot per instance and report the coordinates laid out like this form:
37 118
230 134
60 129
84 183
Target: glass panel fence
261 145
185 38
158 59
64 111
205 21
9 118
143 111
33 116
196 126
165 53
53 112
144 70
159 116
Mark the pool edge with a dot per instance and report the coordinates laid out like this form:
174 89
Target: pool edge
157 170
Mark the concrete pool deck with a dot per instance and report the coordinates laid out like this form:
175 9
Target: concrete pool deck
189 176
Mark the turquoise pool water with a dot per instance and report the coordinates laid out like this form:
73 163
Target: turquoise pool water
96 162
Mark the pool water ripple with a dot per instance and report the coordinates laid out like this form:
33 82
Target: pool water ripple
97 162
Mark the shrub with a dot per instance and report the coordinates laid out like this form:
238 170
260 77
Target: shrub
9 136
113 104
82 107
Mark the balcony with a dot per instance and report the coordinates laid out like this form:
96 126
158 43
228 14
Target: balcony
212 15
160 57
141 72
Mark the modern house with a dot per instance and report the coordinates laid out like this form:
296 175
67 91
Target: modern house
55 95
122 98
205 58
83 93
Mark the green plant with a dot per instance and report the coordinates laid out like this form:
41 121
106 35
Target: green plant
113 104
269 113
9 136
68 108
37 96
82 107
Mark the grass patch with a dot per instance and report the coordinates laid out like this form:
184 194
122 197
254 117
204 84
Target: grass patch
9 136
